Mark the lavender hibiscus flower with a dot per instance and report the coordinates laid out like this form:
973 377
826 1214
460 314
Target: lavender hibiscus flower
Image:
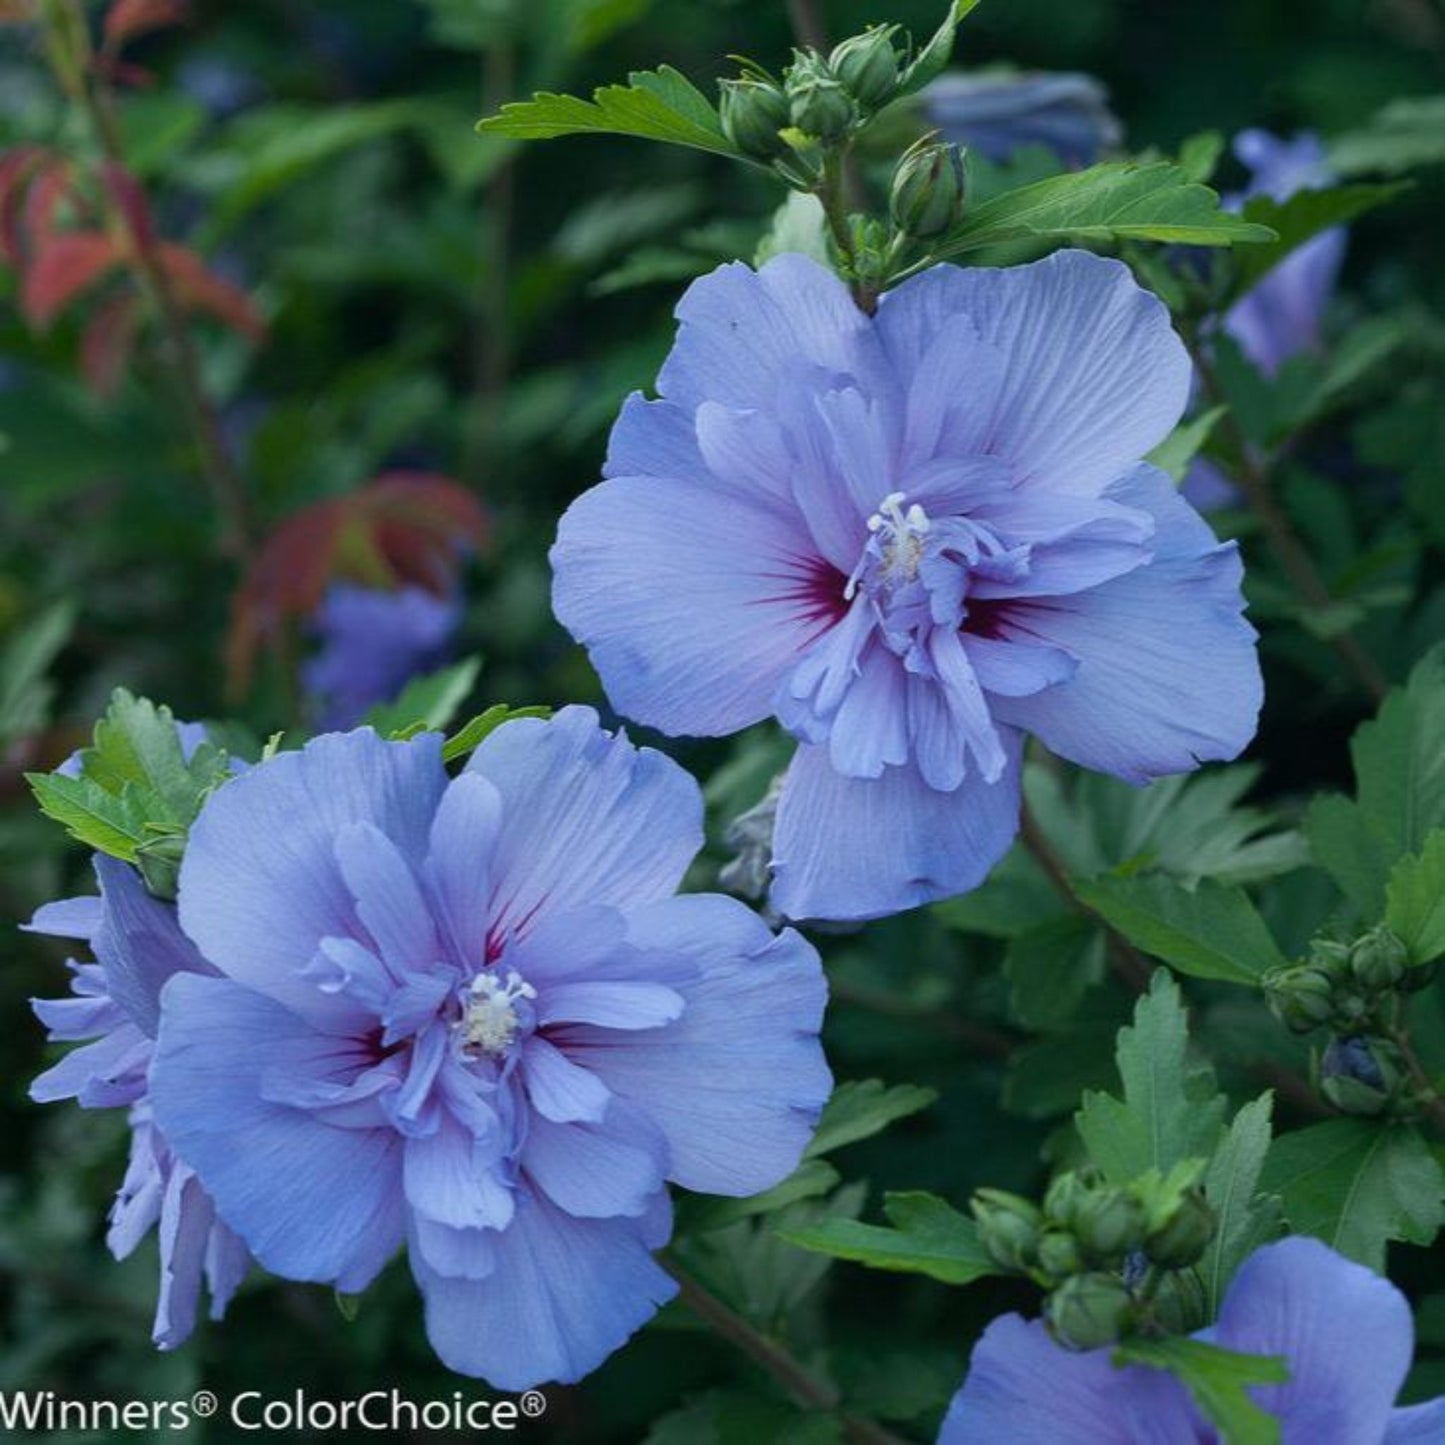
470 1015
138 945
373 642
996 114
1345 1334
911 538
1280 317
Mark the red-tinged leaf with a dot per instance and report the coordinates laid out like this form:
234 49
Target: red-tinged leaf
401 528
65 266
125 191
128 18
16 168
16 12
52 187
108 342
200 289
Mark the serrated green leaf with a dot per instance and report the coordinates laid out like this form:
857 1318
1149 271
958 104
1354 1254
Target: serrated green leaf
1171 1110
661 105
1415 899
929 63
1119 200
1219 1381
472 734
1208 932
1245 1218
928 1237
136 743
1400 790
108 822
860 1109
1299 219
1357 1184
426 704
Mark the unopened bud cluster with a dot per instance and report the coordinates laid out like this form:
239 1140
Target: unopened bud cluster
819 101
1350 989
1091 1244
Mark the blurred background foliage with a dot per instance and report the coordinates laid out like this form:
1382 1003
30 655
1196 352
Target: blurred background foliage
391 292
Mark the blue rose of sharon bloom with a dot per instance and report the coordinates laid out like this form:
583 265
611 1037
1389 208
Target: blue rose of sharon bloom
138 944
911 538
373 642
470 1015
997 114
1280 317
1345 1334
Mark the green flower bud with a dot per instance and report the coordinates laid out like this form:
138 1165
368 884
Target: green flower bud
1008 1227
752 113
867 66
1331 956
1089 1311
1058 1254
818 104
1061 1203
1109 1222
1361 1075
1301 998
929 190
1182 1240
1378 960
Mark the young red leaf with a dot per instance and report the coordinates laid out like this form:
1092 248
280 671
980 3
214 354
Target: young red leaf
65 266
199 289
108 341
128 18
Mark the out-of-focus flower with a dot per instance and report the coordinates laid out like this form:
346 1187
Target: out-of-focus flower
1345 1334
470 1015
912 537
372 643
1280 317
997 114
402 530
137 944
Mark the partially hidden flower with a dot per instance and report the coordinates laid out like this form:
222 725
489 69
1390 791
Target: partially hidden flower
471 1016
373 641
137 944
1345 1334
1280 317
911 538
999 113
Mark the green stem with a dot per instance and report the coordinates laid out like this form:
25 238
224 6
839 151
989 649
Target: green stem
804 1387
178 349
1131 965
1428 1094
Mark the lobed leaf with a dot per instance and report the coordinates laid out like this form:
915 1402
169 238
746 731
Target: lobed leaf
1119 200
1357 1185
661 105
860 1109
1172 1110
1219 1380
1415 899
928 1237
1210 931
